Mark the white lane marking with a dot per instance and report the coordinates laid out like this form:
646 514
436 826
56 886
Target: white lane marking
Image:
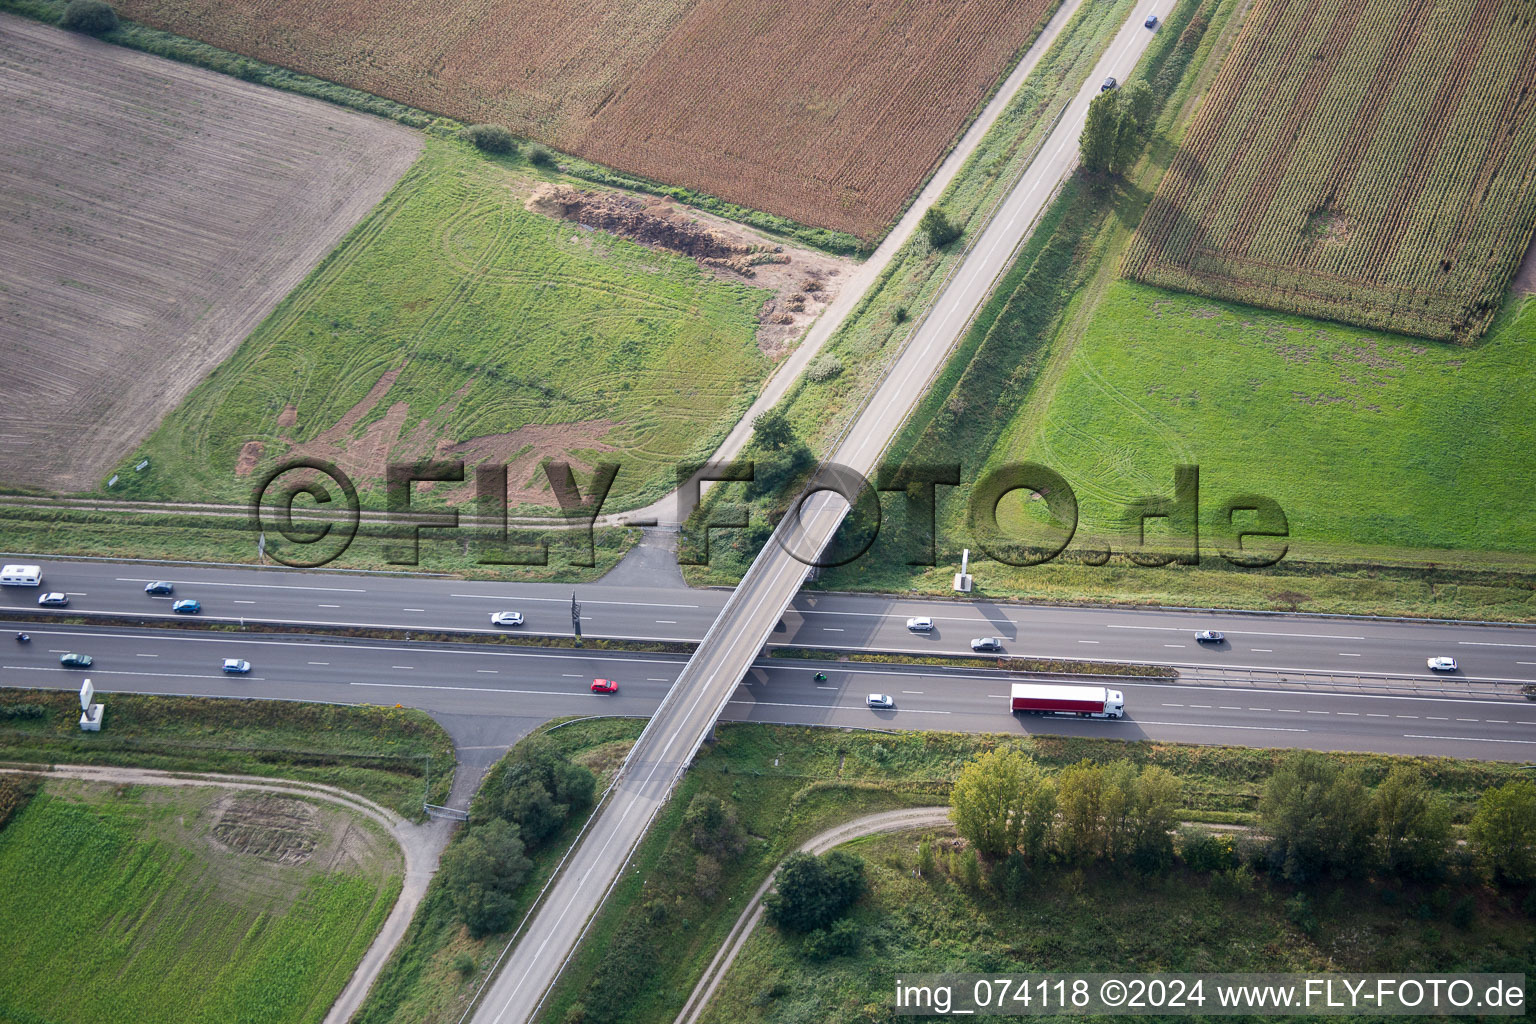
146 655
820 687
75 593
1434 718
1088 641
831 629
1203 707
244 602
319 663
1211 725
1414 717
1376 714
252 586
657 679
413 609
1497 721
1244 632
1465 739
487 671
572 675
1173 705
667 622
120 672
1260 709
1351 714
566 601
330 606
403 668
915 692
832 707
1289 711
1490 643
1317 712
1260 650
1228 707
1173 645
1344 654
469 689
1468 719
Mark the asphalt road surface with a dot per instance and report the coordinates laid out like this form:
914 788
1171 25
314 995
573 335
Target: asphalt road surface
532 683
1297 645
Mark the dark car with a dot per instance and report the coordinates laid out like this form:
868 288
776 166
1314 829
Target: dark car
1109 83
986 643
1151 21
160 587
1210 636
75 660
186 606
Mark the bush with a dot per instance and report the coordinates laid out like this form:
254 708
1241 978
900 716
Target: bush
824 367
464 964
490 138
713 827
842 939
1011 878
1203 850
540 157
92 17
537 790
480 872
938 227
23 711
811 892
902 315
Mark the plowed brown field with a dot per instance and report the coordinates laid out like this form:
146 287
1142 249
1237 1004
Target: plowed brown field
830 112
151 215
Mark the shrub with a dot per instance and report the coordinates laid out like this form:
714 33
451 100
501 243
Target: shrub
1011 878
841 939
969 869
824 367
489 138
1503 831
464 964
938 227
1203 850
92 17
713 827
811 892
540 157
902 315
537 790
480 873
23 711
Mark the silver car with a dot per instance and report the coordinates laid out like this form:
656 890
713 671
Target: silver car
880 700
506 618
920 624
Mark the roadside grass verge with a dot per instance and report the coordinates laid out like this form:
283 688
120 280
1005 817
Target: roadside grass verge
110 888
1108 919
1056 666
397 757
438 967
654 936
163 536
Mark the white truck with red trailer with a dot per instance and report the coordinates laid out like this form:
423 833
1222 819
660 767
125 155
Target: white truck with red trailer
1065 699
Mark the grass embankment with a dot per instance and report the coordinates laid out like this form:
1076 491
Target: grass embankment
160 536
786 784
1111 920
438 966
396 757
1059 666
193 905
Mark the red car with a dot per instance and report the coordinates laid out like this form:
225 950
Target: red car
604 686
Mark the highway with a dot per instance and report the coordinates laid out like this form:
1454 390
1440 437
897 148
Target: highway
537 684
1351 649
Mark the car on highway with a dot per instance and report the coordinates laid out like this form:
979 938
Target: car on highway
236 666
986 643
1442 664
75 660
160 587
920 624
1151 21
186 606
1109 83
1209 636
604 686
54 600
506 618
880 700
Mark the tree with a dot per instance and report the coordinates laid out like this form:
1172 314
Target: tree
773 431
925 862
1413 825
1503 831
1318 818
938 227
490 138
1138 101
481 871
811 892
1154 813
969 869
713 826
1101 132
1080 798
1002 802
537 790
92 17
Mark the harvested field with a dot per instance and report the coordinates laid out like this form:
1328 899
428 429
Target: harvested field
465 318
828 112
153 215
1371 163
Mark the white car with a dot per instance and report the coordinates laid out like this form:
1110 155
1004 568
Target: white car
1442 664
506 618
236 666
920 624
880 700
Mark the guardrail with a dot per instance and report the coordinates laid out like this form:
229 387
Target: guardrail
451 813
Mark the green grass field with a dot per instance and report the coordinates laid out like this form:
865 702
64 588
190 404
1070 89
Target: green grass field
452 323
1365 439
1104 919
118 907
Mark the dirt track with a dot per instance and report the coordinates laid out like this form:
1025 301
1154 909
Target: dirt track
151 215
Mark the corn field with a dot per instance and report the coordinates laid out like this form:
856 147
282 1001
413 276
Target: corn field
1372 163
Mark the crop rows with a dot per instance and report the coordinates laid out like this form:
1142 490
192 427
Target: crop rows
828 112
1370 163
